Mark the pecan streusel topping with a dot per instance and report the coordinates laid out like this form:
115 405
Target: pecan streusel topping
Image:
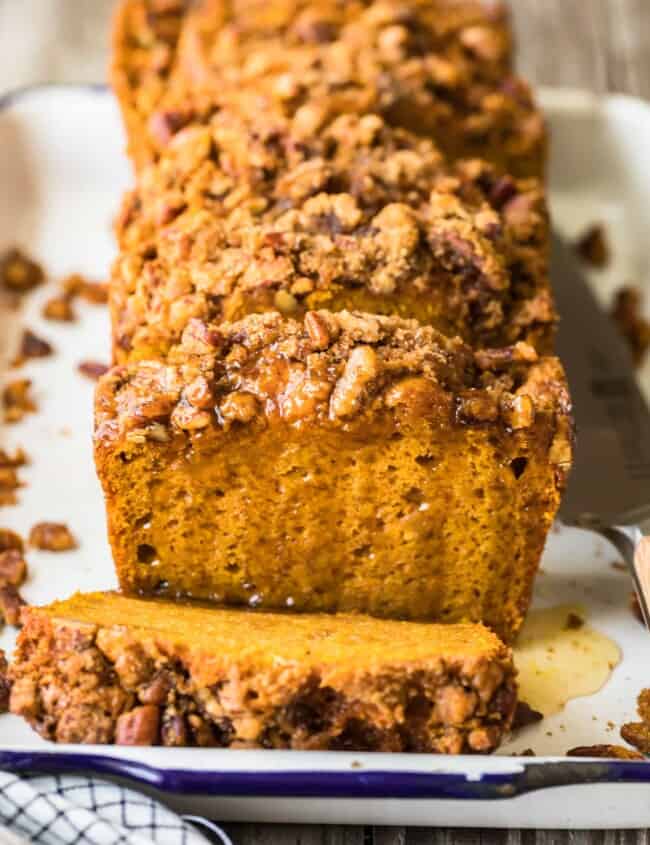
332 366
243 216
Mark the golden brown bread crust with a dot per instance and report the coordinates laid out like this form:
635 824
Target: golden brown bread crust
102 668
438 68
244 215
353 462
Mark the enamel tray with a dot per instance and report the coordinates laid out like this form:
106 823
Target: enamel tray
62 171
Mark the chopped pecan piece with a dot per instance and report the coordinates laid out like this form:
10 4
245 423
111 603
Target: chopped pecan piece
16 400
317 330
489 359
174 731
19 459
59 308
52 537
31 346
617 752
592 246
9 481
360 369
5 683
525 715
573 622
638 735
643 705
10 604
13 567
139 726
626 312
77 285
19 273
92 369
635 607
10 541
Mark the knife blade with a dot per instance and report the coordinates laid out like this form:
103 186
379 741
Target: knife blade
609 485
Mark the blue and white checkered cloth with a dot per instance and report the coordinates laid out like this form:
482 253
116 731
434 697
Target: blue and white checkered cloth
68 810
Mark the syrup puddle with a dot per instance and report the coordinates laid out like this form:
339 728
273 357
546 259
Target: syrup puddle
559 659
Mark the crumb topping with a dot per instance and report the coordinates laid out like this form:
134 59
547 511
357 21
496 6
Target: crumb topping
244 216
333 367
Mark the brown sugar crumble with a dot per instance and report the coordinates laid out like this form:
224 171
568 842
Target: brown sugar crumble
16 400
31 346
92 369
52 537
626 311
19 273
593 247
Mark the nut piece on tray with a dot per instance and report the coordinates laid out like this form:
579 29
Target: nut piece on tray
244 216
353 462
439 68
103 668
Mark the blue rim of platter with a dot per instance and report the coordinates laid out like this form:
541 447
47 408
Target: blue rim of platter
525 777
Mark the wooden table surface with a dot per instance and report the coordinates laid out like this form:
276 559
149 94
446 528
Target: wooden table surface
603 45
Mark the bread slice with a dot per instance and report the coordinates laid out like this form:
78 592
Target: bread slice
247 214
347 462
103 668
442 68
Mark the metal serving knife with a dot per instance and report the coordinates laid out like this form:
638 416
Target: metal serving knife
609 486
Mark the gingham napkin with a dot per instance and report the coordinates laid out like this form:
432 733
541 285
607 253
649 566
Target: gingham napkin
57 810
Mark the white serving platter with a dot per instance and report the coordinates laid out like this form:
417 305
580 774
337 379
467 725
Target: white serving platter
62 171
